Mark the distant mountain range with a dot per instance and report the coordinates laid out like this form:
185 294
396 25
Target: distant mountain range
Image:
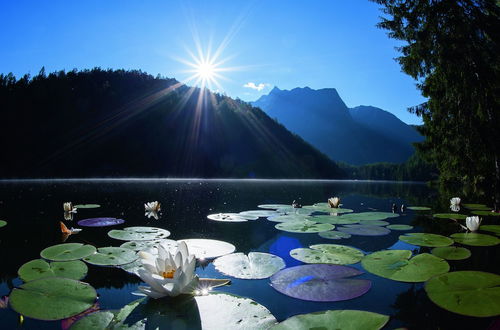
98 123
357 136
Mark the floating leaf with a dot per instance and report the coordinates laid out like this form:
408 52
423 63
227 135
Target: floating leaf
294 210
477 207
374 223
491 228
304 226
335 319
288 218
455 216
334 234
144 245
370 216
229 217
364 230
397 265
52 298
3 223
486 213
87 206
111 256
208 248
139 234
328 254
259 213
424 239
274 206
320 282
333 219
226 311
97 320
100 222
256 265
451 252
418 208
399 227
468 293
39 268
324 207
67 252
475 239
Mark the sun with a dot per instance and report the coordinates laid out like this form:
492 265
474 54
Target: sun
205 70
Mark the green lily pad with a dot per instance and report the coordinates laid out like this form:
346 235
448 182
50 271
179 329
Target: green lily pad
456 216
451 252
111 256
324 207
139 233
486 213
133 267
335 319
226 311
231 217
208 248
67 252
39 268
400 227
144 245
255 265
52 298
273 206
334 220
87 206
398 265
370 216
334 234
468 293
475 239
374 222
259 213
424 239
418 208
304 226
491 228
288 218
294 210
477 207
3 223
328 254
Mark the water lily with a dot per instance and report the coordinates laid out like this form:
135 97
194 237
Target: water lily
334 202
152 206
69 208
472 223
152 214
168 274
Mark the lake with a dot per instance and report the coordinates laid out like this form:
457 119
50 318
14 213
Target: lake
33 210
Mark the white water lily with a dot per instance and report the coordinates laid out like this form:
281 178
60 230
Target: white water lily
168 274
472 223
69 208
455 201
334 202
152 207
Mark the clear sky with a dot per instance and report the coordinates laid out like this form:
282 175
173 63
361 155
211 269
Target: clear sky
263 43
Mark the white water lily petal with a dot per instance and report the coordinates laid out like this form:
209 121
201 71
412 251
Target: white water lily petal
473 223
455 201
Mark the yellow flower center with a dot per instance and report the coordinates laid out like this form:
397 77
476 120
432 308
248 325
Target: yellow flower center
169 274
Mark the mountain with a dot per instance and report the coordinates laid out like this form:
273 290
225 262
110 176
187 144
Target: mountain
357 136
98 123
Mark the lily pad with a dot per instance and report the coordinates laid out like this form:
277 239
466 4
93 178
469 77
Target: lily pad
226 311
374 222
320 282
491 228
87 206
334 234
334 220
67 252
418 208
364 230
455 216
486 213
477 207
255 265
52 298
133 267
451 252
370 216
259 213
273 206
100 222
475 239
304 227
324 207
328 254
294 210
208 248
139 234
335 319
39 268
144 245
400 227
288 218
112 256
3 223
110 319
398 265
424 239
229 217
470 293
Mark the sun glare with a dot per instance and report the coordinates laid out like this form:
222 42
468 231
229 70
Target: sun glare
205 70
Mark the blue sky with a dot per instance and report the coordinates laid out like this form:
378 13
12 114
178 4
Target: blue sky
265 43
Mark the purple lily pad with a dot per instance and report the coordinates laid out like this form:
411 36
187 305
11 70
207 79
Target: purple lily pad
320 282
100 222
364 230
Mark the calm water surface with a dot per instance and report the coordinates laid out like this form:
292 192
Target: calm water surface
33 211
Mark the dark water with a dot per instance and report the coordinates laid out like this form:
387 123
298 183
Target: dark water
33 211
